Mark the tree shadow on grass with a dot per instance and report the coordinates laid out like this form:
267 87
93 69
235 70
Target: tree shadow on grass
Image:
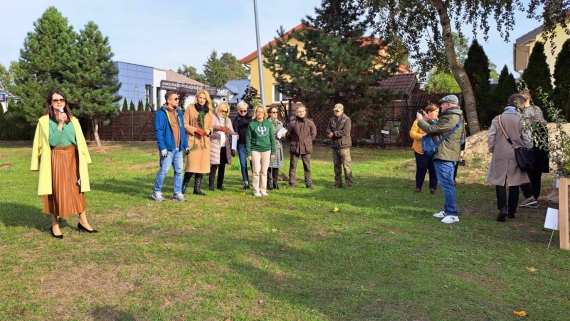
15 215
111 313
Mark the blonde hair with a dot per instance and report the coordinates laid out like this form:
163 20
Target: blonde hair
208 99
262 108
222 104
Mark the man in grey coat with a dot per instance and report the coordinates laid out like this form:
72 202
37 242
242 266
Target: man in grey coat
301 133
448 153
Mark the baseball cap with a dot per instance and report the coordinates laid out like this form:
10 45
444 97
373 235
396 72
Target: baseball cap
338 107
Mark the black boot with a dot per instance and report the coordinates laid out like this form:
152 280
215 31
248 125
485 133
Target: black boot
187 177
502 214
197 182
269 187
245 186
275 178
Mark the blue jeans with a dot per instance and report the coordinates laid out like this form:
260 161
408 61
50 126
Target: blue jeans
243 162
445 171
174 158
423 165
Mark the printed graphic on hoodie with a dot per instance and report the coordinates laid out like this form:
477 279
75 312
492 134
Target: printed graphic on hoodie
262 130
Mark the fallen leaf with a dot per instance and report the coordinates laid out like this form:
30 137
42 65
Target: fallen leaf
260 301
532 269
378 300
335 209
368 232
521 313
273 230
445 286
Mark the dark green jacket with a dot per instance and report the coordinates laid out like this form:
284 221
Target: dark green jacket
450 149
260 137
341 132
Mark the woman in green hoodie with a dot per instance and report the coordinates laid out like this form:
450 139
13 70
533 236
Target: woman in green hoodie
260 145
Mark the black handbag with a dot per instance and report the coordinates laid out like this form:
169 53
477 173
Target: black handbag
523 155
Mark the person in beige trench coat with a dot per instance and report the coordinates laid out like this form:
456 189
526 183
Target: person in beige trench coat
198 134
503 169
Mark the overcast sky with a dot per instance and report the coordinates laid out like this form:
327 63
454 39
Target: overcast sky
169 33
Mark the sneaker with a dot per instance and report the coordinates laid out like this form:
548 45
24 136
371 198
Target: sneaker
528 202
178 197
439 214
450 219
157 196
256 194
245 186
264 194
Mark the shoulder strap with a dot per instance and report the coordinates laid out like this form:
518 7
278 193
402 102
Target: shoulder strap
449 133
504 132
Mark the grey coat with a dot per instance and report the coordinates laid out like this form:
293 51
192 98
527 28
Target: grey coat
215 140
503 165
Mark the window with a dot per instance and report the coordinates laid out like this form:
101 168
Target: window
148 94
277 94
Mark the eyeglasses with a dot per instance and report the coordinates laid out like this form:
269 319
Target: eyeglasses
176 99
224 111
62 100
242 111
273 112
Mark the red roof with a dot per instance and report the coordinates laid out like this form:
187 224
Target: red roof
400 83
247 59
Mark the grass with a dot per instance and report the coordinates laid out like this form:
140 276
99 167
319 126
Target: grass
284 257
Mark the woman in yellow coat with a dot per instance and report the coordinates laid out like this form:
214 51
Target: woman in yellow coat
61 156
424 163
199 124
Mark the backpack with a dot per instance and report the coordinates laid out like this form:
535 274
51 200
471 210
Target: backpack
429 147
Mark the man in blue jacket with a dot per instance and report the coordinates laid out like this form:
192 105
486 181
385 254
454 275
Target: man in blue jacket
171 141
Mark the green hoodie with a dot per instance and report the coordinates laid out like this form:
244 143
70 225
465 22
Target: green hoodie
260 137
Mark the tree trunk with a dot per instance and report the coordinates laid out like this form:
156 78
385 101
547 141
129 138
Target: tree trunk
456 68
96 132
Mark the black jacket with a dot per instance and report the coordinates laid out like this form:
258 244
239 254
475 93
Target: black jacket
240 125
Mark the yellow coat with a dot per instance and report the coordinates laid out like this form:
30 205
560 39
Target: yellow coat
41 156
416 134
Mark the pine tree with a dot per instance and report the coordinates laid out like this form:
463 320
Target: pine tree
94 78
147 106
561 76
44 62
505 87
339 63
125 105
214 71
477 68
132 106
140 106
537 74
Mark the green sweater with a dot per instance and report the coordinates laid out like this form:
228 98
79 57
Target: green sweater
260 137
58 138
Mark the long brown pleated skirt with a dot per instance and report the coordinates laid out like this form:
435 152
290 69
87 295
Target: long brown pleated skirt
66 198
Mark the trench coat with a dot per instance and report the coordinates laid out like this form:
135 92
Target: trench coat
215 139
198 161
503 167
41 156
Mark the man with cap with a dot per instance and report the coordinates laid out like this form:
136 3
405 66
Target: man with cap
338 130
448 152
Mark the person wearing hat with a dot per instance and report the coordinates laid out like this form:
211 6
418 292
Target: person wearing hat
503 169
338 130
448 152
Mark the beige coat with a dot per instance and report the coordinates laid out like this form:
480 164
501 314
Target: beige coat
41 156
215 140
503 165
198 161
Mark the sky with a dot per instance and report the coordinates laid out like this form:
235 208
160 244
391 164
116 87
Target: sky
168 33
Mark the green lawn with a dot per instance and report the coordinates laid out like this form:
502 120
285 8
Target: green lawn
288 256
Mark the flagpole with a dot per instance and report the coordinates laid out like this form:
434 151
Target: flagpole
259 61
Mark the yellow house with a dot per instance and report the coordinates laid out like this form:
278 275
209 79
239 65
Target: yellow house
270 85
523 47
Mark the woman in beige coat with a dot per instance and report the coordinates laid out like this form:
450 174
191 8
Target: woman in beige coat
503 169
220 145
198 123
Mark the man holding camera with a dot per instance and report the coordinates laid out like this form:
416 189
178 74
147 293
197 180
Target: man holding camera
448 153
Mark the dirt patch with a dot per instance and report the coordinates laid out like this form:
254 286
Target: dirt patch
108 160
5 166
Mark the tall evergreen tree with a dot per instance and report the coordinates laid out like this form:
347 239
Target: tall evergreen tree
140 106
234 69
505 87
537 74
132 106
94 78
44 63
339 63
561 76
125 105
214 71
477 69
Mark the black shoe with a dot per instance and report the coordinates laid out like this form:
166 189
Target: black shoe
502 215
291 185
221 188
418 190
211 188
511 216
275 185
197 182
269 186
432 191
187 177
56 236
245 186
82 228
310 187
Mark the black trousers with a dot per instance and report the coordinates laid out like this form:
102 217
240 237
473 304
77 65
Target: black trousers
424 164
513 201
220 168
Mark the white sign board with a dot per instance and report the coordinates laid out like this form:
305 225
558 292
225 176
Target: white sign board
551 220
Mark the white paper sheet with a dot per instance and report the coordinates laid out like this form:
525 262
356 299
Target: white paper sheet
281 133
551 220
234 142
